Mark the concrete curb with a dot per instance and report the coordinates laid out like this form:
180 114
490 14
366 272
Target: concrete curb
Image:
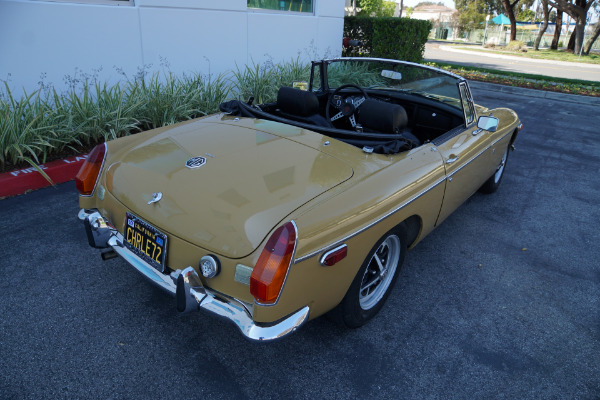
24 180
514 58
541 94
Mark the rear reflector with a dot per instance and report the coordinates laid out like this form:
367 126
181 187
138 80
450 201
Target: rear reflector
88 173
271 269
334 256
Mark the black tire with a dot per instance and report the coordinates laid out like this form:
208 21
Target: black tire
493 183
370 289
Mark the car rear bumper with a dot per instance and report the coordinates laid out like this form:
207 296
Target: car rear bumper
187 287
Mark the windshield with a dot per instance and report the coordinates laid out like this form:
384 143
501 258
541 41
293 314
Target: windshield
395 76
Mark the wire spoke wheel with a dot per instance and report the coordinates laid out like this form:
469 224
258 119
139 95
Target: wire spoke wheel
379 272
375 279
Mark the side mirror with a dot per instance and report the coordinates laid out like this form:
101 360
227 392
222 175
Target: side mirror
488 123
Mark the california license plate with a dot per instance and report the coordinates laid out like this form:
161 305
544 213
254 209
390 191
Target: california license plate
145 241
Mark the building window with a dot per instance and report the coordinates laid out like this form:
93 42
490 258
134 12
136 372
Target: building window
103 2
304 6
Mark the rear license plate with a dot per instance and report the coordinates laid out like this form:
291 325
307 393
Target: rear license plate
145 241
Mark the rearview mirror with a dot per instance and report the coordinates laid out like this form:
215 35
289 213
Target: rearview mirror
386 73
488 123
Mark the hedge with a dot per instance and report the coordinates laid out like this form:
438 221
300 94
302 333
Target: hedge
387 37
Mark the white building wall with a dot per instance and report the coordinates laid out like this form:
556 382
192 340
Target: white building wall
45 40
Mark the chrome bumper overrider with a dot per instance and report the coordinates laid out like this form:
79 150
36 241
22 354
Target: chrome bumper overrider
186 286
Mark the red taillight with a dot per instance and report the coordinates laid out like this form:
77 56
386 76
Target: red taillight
271 269
88 173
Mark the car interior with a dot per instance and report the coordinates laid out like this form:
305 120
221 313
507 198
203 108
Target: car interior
375 120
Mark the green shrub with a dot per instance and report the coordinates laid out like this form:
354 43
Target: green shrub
262 81
256 81
36 126
387 37
515 45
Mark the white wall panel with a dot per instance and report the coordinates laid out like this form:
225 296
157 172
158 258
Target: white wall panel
330 8
194 40
59 38
331 32
270 35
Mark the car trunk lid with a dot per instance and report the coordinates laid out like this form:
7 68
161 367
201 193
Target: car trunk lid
249 182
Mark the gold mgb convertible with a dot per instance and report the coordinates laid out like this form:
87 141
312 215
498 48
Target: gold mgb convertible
273 214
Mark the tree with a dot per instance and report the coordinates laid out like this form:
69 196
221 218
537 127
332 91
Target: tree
509 8
429 3
512 11
592 39
595 33
527 16
471 13
557 29
538 39
579 12
378 8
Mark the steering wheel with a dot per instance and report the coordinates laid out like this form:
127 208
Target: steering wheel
346 109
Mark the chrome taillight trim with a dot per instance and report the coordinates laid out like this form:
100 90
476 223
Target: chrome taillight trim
287 272
99 172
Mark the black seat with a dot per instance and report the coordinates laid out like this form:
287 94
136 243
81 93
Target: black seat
301 106
380 116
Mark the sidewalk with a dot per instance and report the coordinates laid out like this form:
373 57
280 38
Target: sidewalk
487 53
540 94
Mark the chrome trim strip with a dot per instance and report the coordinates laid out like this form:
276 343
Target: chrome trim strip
309 255
503 136
364 228
477 155
99 172
440 71
230 308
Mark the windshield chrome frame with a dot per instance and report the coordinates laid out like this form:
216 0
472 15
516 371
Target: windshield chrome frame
469 102
326 62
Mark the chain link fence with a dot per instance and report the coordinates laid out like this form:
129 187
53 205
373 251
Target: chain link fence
501 38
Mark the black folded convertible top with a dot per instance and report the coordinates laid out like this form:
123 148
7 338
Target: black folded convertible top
381 143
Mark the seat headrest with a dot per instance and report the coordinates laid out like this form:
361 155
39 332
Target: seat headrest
381 116
297 102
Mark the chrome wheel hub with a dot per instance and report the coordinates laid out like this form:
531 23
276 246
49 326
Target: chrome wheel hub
500 169
379 273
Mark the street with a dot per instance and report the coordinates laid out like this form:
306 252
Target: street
501 301
444 53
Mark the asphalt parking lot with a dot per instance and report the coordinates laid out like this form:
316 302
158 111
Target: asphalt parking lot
501 301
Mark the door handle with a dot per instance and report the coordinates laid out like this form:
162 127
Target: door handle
452 159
